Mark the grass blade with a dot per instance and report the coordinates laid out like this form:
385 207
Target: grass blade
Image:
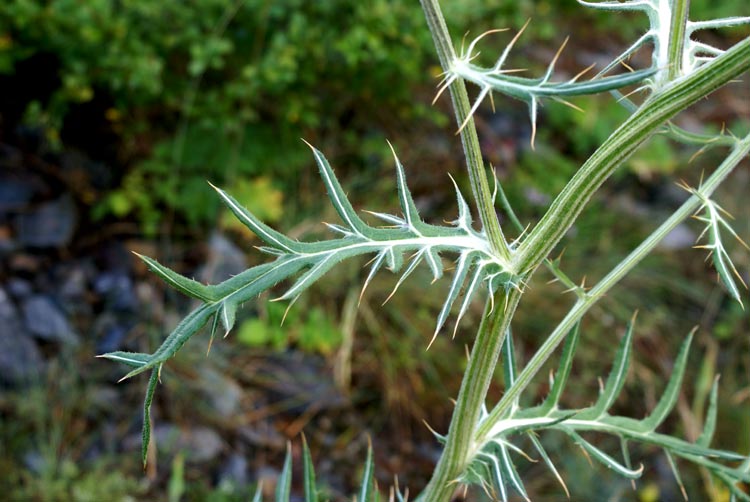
308 478
284 483
367 492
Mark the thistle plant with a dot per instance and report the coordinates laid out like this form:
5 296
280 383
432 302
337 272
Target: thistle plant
484 443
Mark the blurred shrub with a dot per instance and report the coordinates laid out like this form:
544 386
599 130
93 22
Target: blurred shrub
191 88
311 330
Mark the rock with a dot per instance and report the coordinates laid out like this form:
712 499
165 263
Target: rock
50 225
74 285
681 237
234 472
200 444
223 394
262 434
45 320
225 260
116 287
19 288
20 359
110 332
16 191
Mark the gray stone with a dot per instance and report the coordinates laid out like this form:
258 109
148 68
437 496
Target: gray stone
234 471
199 444
74 287
681 237
19 288
223 394
45 320
116 287
16 191
50 225
225 260
20 359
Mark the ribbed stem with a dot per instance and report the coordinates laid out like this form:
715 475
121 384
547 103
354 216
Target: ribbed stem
677 29
471 397
480 186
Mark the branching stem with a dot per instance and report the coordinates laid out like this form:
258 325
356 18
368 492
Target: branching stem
687 209
480 186
621 145
476 382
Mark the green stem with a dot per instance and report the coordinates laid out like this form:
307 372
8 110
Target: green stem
552 266
741 149
480 186
647 120
678 25
495 322
471 397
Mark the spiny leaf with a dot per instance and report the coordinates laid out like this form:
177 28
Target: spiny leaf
709 426
408 207
605 459
228 312
671 392
471 288
189 287
337 195
435 263
275 239
308 476
715 222
566 363
676 473
284 483
465 262
530 90
132 359
415 261
311 260
146 431
512 473
310 276
464 213
508 354
538 445
616 378
317 258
